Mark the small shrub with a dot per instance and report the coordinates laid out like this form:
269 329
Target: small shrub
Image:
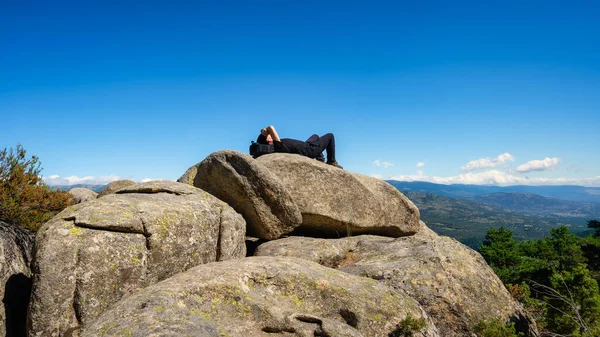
25 200
496 328
407 327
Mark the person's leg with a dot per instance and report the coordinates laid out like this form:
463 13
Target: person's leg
325 142
319 156
329 141
312 138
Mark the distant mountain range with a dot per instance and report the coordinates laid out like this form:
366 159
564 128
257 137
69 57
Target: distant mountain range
465 212
537 204
564 192
95 188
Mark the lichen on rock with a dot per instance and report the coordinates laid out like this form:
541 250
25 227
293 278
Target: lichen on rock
262 296
451 281
102 250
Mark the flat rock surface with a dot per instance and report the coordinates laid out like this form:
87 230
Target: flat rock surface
262 296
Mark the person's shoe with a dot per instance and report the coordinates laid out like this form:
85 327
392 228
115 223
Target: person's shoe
320 158
335 163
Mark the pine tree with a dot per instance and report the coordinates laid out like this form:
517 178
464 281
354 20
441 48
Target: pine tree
565 249
501 252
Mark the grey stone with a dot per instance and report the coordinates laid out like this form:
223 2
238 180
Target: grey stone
334 202
115 186
16 248
250 189
80 194
261 296
452 282
92 254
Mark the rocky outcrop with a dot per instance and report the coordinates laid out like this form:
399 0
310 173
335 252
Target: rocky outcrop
92 254
279 192
115 186
168 259
16 246
338 203
250 189
262 296
452 282
80 194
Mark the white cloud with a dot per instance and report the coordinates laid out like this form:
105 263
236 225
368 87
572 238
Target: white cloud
505 157
54 180
385 164
377 176
539 165
495 177
487 162
145 180
420 164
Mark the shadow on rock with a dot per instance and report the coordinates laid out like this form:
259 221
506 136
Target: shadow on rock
16 300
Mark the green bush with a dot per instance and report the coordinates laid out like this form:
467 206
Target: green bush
25 200
407 327
496 328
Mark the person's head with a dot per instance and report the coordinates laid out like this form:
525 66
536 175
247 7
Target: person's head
264 138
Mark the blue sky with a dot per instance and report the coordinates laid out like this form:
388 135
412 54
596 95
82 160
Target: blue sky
451 92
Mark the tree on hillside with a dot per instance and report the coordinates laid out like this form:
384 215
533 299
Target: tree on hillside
501 252
565 249
564 297
573 303
25 200
591 249
596 225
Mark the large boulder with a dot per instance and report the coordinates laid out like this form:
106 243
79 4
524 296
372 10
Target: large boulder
115 186
250 189
262 296
92 254
16 248
80 194
452 282
337 203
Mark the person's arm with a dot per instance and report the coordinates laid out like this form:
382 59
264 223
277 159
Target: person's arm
271 131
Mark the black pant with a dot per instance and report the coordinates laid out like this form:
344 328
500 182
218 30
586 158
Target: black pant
319 144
